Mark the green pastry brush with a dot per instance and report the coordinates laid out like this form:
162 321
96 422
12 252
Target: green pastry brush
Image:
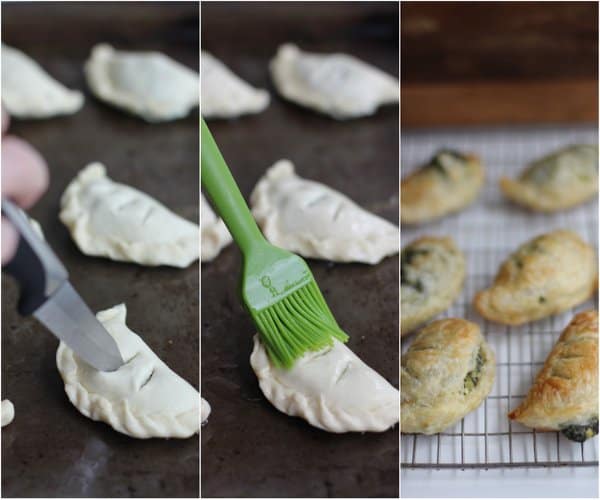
277 286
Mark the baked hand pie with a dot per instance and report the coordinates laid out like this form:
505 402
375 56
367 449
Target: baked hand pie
447 183
564 395
547 275
446 373
557 181
432 271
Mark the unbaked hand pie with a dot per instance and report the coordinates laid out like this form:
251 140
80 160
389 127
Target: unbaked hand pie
446 373
204 410
8 412
447 183
432 271
215 235
547 275
564 395
557 181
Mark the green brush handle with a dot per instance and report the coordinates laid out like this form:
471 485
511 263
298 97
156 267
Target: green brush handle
225 194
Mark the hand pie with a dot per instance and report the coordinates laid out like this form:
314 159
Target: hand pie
225 95
29 92
446 373
8 412
545 276
331 389
313 220
432 272
148 84
338 85
558 181
564 396
143 399
448 183
113 220
215 235
204 410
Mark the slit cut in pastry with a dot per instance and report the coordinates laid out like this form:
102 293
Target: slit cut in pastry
331 389
224 94
313 220
446 373
432 272
215 235
143 399
8 412
338 85
564 395
547 275
108 219
148 84
561 180
204 410
29 92
449 182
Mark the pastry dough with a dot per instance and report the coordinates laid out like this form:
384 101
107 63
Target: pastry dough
432 272
448 183
338 85
331 389
8 412
447 372
564 395
148 84
204 410
558 181
224 94
313 220
143 399
29 92
113 220
545 276
215 235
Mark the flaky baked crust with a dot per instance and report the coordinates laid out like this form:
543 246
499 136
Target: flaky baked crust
441 378
565 391
432 273
447 183
547 275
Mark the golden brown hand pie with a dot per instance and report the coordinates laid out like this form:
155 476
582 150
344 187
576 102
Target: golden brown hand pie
557 181
564 396
447 183
432 271
446 373
545 276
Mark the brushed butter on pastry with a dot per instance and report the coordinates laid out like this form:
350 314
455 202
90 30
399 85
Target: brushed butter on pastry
432 272
338 85
331 389
547 275
215 235
446 373
143 399
557 181
313 220
564 395
113 220
449 182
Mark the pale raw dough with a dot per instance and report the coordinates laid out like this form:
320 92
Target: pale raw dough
313 220
339 85
215 235
148 84
8 412
113 220
29 92
143 399
331 389
224 94
204 410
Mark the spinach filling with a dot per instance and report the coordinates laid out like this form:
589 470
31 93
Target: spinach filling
437 164
472 378
579 433
406 258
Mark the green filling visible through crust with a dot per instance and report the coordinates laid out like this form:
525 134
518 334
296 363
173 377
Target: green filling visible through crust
582 432
406 258
472 378
437 164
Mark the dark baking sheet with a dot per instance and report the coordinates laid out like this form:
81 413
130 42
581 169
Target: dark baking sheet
50 449
249 449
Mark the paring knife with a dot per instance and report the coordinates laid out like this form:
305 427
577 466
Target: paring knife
47 294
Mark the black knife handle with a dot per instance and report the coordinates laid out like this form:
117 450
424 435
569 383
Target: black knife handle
35 266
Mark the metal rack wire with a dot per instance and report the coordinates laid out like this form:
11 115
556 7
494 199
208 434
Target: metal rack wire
487 233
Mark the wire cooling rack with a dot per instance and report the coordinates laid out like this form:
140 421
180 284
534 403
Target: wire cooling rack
487 232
